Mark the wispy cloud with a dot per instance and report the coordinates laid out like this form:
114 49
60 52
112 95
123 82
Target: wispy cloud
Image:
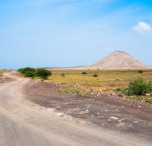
142 27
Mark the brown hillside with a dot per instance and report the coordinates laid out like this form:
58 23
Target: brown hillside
119 60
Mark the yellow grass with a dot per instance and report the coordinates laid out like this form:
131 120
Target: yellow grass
1 72
107 80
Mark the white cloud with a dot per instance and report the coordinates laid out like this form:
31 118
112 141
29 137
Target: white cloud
142 27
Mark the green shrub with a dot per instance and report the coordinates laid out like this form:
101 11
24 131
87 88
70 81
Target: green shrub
139 87
62 75
27 69
84 73
95 75
125 91
118 89
140 71
43 73
29 74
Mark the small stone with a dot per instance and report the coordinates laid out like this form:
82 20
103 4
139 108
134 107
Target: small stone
60 114
109 120
114 118
147 94
83 112
121 125
58 107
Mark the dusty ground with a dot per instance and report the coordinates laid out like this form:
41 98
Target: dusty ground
106 110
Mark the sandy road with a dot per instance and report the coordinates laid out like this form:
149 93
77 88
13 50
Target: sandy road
23 123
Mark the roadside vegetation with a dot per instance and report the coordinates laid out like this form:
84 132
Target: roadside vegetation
35 73
134 84
130 83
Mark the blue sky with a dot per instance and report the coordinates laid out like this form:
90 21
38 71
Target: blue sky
59 33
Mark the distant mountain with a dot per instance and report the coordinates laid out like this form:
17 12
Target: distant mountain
119 60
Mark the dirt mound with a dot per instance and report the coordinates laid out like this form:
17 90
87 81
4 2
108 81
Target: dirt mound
119 60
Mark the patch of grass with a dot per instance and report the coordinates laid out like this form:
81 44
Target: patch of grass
143 98
111 84
72 90
118 90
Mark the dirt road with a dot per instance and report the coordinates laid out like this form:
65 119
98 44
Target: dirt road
22 123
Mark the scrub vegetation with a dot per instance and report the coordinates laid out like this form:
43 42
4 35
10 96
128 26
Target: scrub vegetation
131 83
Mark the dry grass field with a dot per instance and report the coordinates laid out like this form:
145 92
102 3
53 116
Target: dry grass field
1 72
107 80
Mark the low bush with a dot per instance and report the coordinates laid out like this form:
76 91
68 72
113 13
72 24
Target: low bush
95 75
62 75
43 73
84 73
139 87
140 71
29 74
27 69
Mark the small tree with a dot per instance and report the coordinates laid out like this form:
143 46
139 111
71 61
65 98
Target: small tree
43 73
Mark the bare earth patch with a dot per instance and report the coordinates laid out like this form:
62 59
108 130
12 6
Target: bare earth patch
107 110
